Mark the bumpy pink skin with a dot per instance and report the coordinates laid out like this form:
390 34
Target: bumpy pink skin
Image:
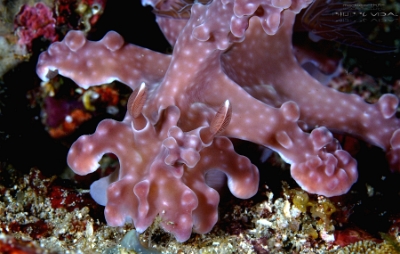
168 140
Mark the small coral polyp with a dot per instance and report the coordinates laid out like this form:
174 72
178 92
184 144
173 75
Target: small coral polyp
232 74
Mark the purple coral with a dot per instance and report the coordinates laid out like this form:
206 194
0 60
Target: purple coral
33 22
219 83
